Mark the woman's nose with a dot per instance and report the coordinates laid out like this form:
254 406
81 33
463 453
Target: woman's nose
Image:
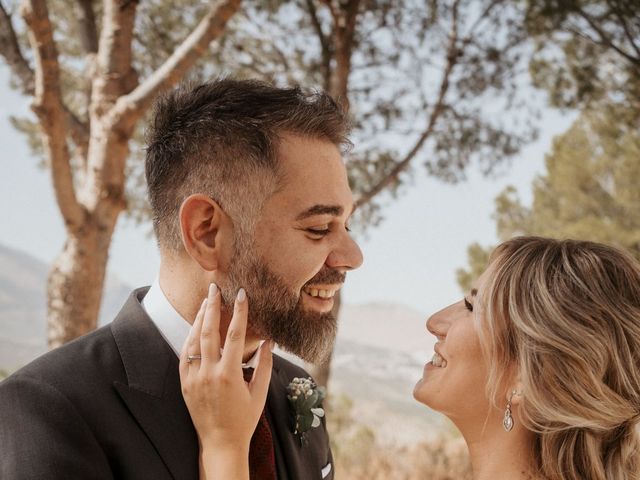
438 323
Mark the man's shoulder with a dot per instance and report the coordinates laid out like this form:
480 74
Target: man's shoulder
74 360
87 357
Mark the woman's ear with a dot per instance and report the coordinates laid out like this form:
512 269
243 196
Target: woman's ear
515 394
202 226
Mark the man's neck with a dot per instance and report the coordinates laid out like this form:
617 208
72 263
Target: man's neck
186 294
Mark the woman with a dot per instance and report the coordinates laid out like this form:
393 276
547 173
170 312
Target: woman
539 368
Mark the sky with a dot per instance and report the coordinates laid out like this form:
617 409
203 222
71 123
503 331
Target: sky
410 259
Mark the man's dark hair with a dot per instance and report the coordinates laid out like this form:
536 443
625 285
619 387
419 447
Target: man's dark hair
221 139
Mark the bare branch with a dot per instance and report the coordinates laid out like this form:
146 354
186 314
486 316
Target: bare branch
344 20
332 8
325 44
627 32
88 28
48 106
132 106
114 75
10 50
89 41
485 14
438 108
282 57
162 38
605 39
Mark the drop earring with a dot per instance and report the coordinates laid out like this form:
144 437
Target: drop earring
507 421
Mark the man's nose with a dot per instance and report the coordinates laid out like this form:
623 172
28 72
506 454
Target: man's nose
346 255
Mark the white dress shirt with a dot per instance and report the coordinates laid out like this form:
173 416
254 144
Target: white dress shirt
172 326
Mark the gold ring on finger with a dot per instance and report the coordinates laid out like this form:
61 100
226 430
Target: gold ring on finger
191 358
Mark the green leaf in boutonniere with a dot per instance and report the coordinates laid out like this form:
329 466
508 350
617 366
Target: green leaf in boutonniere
305 398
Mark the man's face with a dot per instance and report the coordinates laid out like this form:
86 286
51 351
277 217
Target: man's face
300 251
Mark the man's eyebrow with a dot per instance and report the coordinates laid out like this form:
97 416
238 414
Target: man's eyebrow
335 210
474 292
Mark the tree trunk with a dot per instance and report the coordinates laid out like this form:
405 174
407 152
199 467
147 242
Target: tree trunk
74 287
344 26
91 196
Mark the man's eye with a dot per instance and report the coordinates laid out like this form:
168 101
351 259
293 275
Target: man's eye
319 232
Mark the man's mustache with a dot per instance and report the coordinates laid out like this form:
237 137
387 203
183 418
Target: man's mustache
327 276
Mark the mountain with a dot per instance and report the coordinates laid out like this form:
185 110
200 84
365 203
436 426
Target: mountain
379 354
23 283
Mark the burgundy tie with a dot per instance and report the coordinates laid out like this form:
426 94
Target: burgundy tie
262 459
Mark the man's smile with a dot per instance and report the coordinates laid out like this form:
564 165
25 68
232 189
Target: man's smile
320 297
321 291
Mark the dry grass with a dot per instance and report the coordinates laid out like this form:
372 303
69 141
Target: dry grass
359 455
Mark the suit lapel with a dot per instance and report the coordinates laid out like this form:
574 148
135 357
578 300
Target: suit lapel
282 427
293 460
152 393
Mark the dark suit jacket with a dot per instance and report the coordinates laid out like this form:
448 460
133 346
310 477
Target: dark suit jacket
109 406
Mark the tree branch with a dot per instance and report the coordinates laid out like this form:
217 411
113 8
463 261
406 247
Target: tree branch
282 57
325 44
605 39
48 106
89 40
10 50
133 105
88 28
452 58
627 32
485 14
344 20
114 75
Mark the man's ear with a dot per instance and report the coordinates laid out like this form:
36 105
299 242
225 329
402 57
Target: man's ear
203 224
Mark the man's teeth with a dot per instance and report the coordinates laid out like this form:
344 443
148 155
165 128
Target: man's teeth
438 361
316 292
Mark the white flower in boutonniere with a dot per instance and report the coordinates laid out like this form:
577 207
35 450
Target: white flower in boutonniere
305 398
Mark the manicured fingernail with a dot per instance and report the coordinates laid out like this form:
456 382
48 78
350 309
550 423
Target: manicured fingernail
204 302
242 295
213 289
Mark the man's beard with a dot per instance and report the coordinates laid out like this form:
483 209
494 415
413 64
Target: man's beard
275 312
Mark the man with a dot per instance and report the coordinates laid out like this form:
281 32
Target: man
248 190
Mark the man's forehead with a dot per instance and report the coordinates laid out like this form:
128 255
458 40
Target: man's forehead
298 155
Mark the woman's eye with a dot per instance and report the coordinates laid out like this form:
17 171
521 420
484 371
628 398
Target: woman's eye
468 305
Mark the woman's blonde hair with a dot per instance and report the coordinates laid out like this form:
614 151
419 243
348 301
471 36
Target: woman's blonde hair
566 314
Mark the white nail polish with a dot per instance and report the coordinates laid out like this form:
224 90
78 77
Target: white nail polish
242 295
213 289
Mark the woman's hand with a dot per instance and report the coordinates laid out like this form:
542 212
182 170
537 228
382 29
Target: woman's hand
224 408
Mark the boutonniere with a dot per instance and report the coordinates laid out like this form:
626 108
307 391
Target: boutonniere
305 398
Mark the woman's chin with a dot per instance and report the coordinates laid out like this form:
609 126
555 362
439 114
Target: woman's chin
420 393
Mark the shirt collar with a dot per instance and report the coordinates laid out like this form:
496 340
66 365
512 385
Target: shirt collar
172 326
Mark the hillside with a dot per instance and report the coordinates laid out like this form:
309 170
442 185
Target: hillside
379 355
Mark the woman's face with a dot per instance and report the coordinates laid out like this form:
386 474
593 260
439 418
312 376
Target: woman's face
454 381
